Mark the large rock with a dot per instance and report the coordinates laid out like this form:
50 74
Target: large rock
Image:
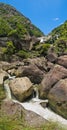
21 88
52 57
11 109
31 71
62 60
51 78
14 111
40 62
6 66
58 97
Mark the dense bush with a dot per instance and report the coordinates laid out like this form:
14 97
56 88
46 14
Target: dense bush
10 49
60 46
23 54
4 27
42 48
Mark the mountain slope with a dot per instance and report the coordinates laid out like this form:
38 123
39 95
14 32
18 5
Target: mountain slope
60 31
14 21
59 39
17 33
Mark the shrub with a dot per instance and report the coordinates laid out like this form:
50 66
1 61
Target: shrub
60 46
23 54
4 27
42 48
10 49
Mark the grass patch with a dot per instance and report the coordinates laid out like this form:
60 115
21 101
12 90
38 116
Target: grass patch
10 124
2 93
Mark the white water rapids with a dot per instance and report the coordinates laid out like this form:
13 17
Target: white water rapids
35 106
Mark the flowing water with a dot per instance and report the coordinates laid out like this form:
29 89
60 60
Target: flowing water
35 106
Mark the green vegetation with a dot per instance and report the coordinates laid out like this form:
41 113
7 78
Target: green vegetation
23 54
4 27
18 29
59 38
61 31
15 31
10 124
2 93
27 54
10 49
11 22
60 46
42 48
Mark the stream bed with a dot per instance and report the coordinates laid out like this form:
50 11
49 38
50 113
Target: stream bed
34 105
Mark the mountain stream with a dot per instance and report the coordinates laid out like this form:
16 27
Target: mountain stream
34 105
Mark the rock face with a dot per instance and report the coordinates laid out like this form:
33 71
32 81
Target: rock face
62 60
11 109
58 97
52 57
21 88
51 78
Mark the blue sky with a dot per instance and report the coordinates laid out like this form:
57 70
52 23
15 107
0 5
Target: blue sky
45 14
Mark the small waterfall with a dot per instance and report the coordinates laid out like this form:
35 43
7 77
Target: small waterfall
6 86
11 77
7 90
35 93
36 97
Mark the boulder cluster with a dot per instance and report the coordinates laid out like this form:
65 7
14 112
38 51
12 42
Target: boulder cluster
51 77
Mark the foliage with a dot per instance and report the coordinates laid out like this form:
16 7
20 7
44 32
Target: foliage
23 54
35 31
60 31
4 27
13 22
27 54
45 48
60 46
16 28
42 48
10 49
20 31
